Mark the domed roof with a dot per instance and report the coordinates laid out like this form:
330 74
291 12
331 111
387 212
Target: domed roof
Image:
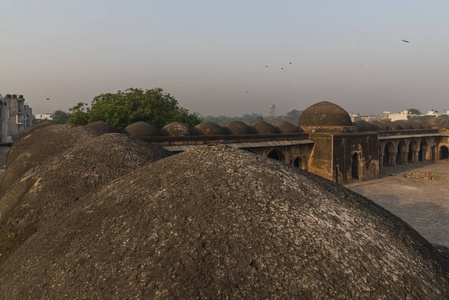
324 114
237 127
413 124
287 127
209 128
142 130
262 127
436 122
100 127
203 222
176 129
364 126
403 124
379 125
392 125
423 124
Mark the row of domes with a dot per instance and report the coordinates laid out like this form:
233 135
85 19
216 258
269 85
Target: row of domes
143 129
321 114
176 129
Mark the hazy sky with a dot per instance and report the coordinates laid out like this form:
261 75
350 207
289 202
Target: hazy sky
212 55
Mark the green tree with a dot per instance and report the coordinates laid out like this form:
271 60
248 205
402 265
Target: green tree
414 111
60 117
132 105
293 116
79 114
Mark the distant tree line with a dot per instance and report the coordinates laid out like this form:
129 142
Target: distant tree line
153 106
292 117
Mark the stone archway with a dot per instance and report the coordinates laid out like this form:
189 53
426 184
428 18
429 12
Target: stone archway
276 154
389 158
422 150
412 150
297 162
401 157
444 153
432 153
356 166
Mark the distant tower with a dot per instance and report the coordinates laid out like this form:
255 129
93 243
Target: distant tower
272 108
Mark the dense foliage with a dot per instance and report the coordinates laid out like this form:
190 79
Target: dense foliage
132 105
60 117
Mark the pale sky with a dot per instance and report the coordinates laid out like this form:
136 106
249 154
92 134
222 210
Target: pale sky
212 55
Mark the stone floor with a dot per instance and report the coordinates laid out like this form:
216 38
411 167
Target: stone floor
417 193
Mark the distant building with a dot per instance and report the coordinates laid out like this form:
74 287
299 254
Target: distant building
433 113
42 117
403 115
15 114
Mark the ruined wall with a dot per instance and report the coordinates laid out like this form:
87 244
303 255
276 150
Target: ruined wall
320 161
355 156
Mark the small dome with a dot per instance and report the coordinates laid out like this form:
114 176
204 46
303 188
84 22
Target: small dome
364 126
413 124
423 124
262 127
100 127
436 122
209 128
392 125
287 127
324 114
142 130
379 125
403 124
176 129
237 127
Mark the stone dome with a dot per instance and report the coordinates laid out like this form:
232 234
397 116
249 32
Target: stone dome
436 122
413 124
324 114
423 124
392 125
100 127
219 222
142 130
403 124
237 128
364 126
262 127
176 129
287 127
379 125
209 128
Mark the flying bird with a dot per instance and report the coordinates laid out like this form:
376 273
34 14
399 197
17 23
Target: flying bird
266 66
405 41
48 99
290 63
282 68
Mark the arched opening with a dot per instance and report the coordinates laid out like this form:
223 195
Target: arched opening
276 154
387 154
422 150
444 152
297 162
411 151
356 166
399 156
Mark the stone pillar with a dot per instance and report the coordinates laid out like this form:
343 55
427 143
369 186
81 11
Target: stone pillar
381 160
392 161
415 157
404 158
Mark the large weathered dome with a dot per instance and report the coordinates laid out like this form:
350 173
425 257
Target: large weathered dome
218 222
324 114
